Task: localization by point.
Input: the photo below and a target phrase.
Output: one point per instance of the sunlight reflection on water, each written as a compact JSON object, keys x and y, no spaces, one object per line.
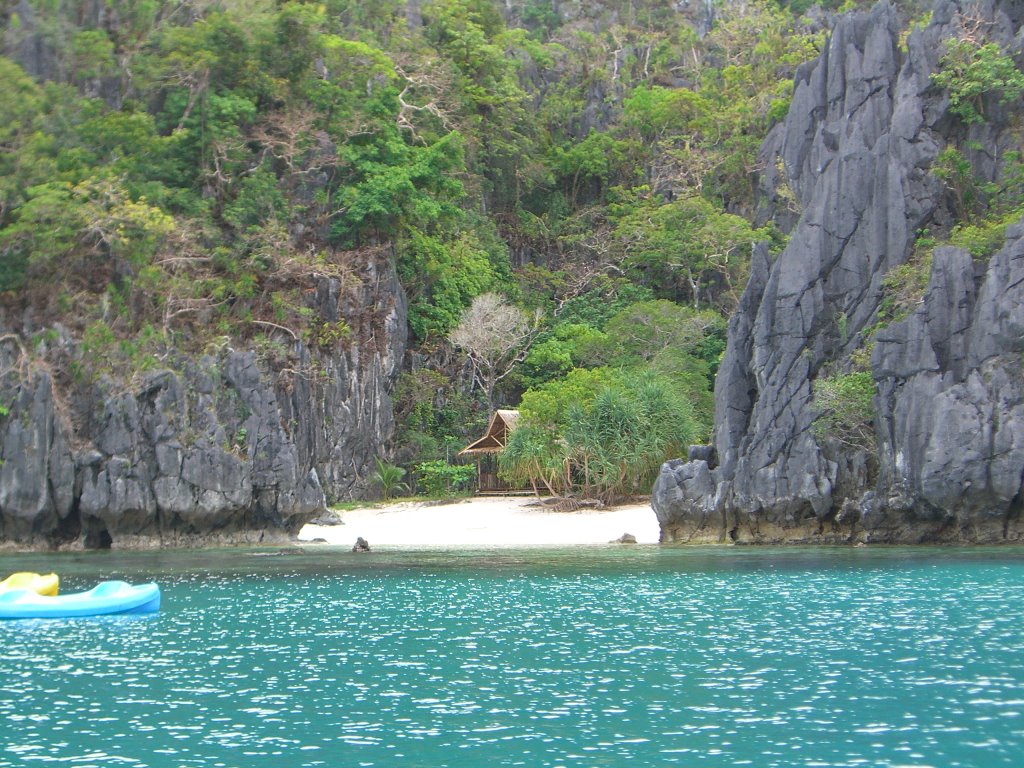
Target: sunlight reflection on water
{"x":590,"y":658}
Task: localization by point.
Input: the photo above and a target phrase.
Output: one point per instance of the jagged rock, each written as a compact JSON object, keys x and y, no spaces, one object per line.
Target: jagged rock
{"x":704,"y":453}
{"x":32,"y":43}
{"x":863,"y":129}
{"x":340,"y":421}
{"x":37,"y":471}
{"x":953,"y":428}
{"x":217,"y":450}
{"x":626,"y":538}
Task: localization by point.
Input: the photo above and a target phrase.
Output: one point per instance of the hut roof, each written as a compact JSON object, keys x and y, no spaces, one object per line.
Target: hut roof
{"x":501,"y":425}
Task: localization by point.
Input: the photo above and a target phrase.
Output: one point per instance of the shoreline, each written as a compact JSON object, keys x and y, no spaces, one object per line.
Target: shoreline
{"x":139,"y":543}
{"x":484,"y":521}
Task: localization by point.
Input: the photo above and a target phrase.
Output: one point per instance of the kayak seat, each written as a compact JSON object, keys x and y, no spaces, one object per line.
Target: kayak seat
{"x":105,"y":588}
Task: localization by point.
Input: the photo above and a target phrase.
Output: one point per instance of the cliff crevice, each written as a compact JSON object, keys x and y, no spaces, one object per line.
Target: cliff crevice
{"x":227,"y":447}
{"x":859,"y":150}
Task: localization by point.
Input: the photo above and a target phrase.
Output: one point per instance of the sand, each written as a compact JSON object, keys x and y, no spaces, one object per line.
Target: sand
{"x":505,"y":521}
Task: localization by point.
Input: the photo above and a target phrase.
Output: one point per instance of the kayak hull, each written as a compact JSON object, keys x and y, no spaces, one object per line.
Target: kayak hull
{"x":107,"y":598}
{"x":42,"y":584}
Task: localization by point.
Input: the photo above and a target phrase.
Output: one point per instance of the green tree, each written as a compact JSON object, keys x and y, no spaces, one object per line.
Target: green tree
{"x":618,"y":444}
{"x":682,"y":344}
{"x":600,"y":434}
{"x":599,"y":159}
{"x":258,"y":200}
{"x":21,"y":117}
{"x":969,"y":71}
{"x":567,"y":346}
{"x":689,"y":243}
{"x":845,"y":403}
{"x":471,"y":34}
{"x":93,"y":56}
{"x":444,"y":276}
{"x":65,"y":229}
{"x":535,"y":455}
{"x":642,"y":330}
{"x":393,"y":185}
{"x":548,"y":405}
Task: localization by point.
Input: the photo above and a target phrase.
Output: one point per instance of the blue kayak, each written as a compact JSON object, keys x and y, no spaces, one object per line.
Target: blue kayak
{"x":107,"y":597}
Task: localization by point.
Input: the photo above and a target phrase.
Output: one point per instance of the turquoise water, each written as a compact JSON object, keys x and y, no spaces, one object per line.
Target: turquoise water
{"x":591,"y":657}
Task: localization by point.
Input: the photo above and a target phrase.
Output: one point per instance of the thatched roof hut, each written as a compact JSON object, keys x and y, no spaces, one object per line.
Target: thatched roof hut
{"x":486,"y":449}
{"x":494,"y":440}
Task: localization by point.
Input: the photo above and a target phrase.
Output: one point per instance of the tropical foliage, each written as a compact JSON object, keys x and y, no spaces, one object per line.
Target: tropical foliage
{"x":969,"y":70}
{"x":180,"y":175}
{"x":845,"y":403}
{"x":598,"y":433}
{"x":438,"y":478}
{"x":388,"y":478}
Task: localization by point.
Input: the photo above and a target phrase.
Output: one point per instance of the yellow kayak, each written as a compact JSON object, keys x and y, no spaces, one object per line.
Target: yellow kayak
{"x":41,"y":584}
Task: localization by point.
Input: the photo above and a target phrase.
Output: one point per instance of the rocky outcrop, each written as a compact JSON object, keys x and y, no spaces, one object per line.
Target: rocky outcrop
{"x":220,"y":449}
{"x":951,"y":396}
{"x":37,"y":472}
{"x":863,"y":131}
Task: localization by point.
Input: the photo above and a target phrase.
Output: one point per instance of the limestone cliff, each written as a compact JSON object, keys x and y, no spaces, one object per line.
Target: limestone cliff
{"x":225,"y":448}
{"x":947,"y":463}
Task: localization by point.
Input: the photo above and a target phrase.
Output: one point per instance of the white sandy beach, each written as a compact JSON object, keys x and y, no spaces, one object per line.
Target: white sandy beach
{"x":485,"y":522}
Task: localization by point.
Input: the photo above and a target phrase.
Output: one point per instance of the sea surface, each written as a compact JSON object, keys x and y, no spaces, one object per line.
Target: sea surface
{"x":602,"y":656}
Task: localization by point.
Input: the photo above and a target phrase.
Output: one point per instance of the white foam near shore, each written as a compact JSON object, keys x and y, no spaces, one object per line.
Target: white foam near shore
{"x":486,"y":522}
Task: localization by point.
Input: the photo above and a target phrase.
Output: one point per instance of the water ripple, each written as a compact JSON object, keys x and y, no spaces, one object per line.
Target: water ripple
{"x":766,"y":659}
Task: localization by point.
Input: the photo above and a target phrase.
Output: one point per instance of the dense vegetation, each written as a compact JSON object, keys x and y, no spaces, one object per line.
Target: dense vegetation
{"x":174,"y":174}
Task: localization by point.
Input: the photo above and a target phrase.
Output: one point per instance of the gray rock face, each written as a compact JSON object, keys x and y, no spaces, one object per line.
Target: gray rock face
{"x":28,"y":39}
{"x":219,"y":449}
{"x":951,"y":429}
{"x":195,"y":453}
{"x":37,"y":472}
{"x":863,"y":130}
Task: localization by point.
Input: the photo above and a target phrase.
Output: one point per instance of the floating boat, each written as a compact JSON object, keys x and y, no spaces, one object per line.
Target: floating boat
{"x":107,"y":597}
{"x":41,"y":584}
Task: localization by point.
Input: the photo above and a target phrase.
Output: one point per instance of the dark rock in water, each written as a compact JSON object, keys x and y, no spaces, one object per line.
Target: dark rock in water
{"x":626,"y":538}
{"x":863,"y":131}
{"x":218,"y":450}
{"x":361,"y":545}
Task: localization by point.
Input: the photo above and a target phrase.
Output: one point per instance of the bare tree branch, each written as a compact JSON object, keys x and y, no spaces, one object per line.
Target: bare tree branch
{"x":496,"y":337}
{"x":276,"y":326}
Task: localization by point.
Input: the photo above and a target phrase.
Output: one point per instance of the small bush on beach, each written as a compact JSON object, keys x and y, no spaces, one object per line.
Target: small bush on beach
{"x":436,"y":478}
{"x":389,"y":478}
